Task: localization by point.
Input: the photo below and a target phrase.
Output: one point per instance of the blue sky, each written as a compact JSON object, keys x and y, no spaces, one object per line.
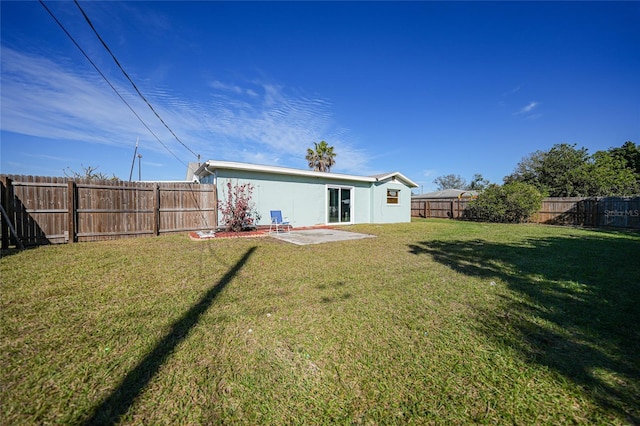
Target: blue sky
{"x":424,"y":88}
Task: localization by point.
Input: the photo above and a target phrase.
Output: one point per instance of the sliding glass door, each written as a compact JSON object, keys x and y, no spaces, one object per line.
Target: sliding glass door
{"x":339,"y":208}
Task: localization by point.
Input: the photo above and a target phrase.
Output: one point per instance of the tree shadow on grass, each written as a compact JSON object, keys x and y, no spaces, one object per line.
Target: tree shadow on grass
{"x":574,"y":307}
{"x":111,"y":410}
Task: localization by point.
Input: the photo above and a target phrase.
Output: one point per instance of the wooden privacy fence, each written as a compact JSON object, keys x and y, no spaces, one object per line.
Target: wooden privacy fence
{"x":616,"y":212}
{"x":452,"y":208}
{"x":50,"y":210}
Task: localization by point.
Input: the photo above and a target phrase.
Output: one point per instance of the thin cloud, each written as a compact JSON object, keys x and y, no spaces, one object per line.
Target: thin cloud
{"x":512,"y":91}
{"x":218,"y":85}
{"x":279,"y":126}
{"x":151,"y":163}
{"x":52,"y":99}
{"x":429,"y":173}
{"x":40,"y":98}
{"x":46,"y":157}
{"x":527,"y":108}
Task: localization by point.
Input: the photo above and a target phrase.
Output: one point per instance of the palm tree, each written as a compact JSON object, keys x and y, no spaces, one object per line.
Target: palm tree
{"x":322,"y":158}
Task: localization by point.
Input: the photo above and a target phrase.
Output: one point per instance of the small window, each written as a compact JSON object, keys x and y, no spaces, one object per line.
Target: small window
{"x":393,"y":196}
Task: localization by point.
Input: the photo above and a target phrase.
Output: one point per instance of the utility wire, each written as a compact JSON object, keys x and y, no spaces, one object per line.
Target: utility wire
{"x":130,"y":80}
{"x":206,"y":222}
{"x":108,"y":82}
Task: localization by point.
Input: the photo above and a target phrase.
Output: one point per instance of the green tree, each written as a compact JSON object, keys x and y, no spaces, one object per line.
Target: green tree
{"x":527,"y":169}
{"x":478,"y":183}
{"x":608,"y":175}
{"x":563,"y":173}
{"x":567,"y":171}
{"x":512,"y":202}
{"x":321,"y":158}
{"x":450,"y":182}
{"x":630,"y":153}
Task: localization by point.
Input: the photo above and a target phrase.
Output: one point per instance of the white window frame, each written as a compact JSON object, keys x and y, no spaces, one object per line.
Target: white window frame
{"x":398,"y":191}
{"x":351,"y":203}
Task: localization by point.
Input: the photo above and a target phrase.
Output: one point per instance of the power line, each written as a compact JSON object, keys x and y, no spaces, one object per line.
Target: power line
{"x":199,"y":209}
{"x":130,"y":80}
{"x":108,"y":82}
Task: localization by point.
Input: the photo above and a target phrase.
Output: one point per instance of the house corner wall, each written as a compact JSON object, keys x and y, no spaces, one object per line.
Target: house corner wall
{"x":303,"y":199}
{"x":382,"y":212}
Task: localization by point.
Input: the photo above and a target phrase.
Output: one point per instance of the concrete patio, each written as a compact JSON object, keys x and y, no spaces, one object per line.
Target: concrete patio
{"x":318,"y":236}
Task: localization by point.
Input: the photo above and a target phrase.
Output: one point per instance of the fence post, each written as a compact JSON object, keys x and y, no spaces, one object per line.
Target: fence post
{"x":156,"y":210}
{"x":5,"y":199}
{"x":71,"y":210}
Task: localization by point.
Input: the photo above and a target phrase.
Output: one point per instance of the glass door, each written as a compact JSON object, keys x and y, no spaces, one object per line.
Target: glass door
{"x":339,"y":209}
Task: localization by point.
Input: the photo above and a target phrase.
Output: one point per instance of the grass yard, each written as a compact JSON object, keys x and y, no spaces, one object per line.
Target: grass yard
{"x":432,"y":322}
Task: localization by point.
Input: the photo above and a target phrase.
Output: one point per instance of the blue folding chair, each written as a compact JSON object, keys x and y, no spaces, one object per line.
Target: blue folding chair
{"x":278,"y":223}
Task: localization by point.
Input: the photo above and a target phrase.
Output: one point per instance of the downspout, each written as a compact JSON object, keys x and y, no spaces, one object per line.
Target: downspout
{"x":372,"y":210}
{"x":372,"y":196}
{"x":214,"y":173}
{"x":215,"y":186}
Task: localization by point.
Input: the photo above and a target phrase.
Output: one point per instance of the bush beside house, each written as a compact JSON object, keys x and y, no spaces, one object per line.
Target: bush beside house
{"x":513,"y":202}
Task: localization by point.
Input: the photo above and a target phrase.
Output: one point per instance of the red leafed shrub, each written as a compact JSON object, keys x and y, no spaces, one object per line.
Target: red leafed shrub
{"x":238,"y":211}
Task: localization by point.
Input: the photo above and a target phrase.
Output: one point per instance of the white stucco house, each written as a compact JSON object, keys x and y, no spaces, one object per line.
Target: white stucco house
{"x":309,"y":198}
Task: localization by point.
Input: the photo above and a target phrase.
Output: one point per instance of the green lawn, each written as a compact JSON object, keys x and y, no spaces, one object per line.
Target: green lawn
{"x":432,"y":322}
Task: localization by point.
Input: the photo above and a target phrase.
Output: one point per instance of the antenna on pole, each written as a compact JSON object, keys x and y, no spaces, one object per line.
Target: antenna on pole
{"x":139,"y":167}
{"x":134,"y":159}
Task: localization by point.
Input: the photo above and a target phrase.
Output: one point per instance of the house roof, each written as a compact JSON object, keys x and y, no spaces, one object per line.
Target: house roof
{"x":210,"y":166}
{"x":448,"y":193}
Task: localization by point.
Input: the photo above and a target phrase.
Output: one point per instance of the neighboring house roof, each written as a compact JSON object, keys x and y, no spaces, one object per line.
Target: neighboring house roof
{"x":447,"y":193}
{"x":210,"y":166}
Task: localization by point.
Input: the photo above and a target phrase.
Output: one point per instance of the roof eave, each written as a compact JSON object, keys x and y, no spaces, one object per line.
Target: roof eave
{"x":409,"y":182}
{"x":230,"y":165}
{"x":208,"y":166}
